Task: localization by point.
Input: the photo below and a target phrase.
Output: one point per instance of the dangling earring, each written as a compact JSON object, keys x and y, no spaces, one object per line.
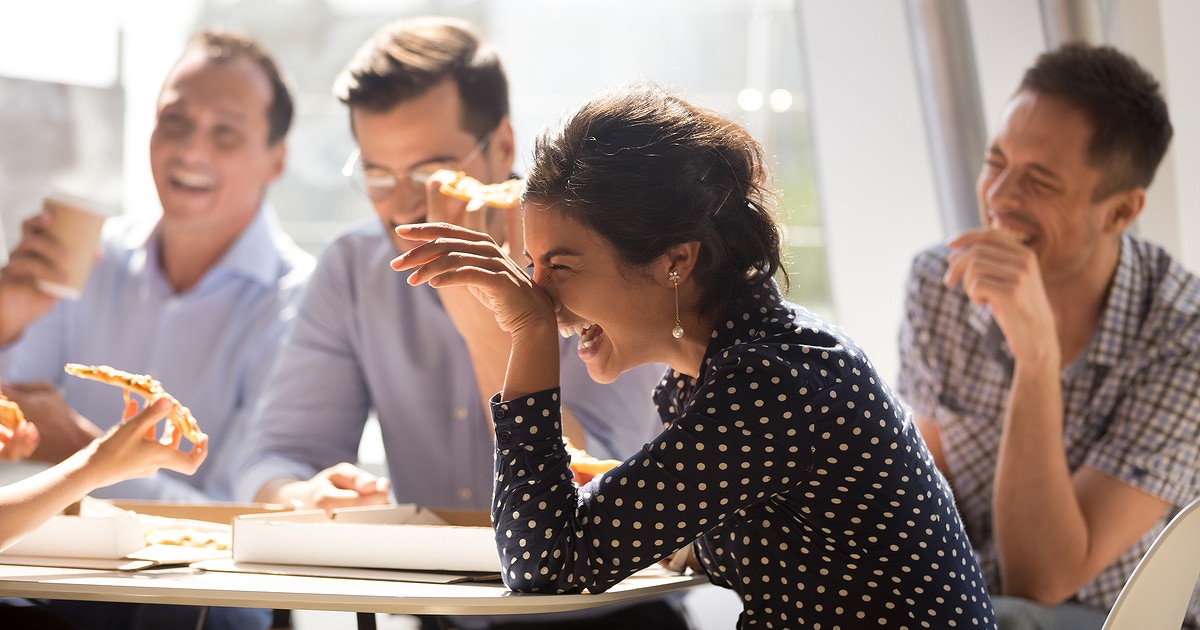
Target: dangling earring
{"x":677,"y":331}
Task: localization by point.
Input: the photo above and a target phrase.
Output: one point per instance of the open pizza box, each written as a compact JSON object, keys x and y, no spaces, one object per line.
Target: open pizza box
{"x":131,"y":535}
{"x":403,"y":538}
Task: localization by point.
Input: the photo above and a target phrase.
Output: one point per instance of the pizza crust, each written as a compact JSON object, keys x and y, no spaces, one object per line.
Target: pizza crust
{"x":144,"y":386}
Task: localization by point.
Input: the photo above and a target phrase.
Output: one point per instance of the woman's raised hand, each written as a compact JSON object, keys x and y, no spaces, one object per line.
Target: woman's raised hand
{"x":450,"y":255}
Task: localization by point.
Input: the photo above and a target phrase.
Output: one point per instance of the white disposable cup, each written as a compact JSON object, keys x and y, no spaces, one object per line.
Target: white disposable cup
{"x":75,"y":224}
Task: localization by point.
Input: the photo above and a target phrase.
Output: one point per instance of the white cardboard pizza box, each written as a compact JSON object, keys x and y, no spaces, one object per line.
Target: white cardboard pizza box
{"x":100,"y":535}
{"x":403,"y":536}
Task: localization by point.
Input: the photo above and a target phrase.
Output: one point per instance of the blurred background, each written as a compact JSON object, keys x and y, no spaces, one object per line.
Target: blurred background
{"x":874,"y":113}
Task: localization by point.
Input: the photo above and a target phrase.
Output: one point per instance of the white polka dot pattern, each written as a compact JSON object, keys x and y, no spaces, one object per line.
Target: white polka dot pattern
{"x":805,"y":486}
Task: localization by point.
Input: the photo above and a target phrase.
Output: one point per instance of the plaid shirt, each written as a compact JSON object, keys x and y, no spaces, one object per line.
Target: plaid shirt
{"x":1131,"y":402}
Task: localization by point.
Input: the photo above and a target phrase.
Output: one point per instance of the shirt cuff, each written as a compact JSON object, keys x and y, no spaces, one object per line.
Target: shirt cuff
{"x":527,"y":419}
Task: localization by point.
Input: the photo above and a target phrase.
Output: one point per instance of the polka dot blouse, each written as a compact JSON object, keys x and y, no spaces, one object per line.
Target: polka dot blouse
{"x":802,"y":481}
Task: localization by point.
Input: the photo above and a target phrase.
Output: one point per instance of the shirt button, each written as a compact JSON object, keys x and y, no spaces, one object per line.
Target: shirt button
{"x":505,"y":436}
{"x":464,"y":493}
{"x":501,"y":413}
{"x":460,"y":413}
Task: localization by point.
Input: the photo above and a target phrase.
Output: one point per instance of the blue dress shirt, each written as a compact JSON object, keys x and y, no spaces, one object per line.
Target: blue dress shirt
{"x":210,"y":346}
{"x":365,"y":340}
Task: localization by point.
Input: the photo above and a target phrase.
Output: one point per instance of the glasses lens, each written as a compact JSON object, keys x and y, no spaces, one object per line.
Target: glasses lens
{"x":421,"y":174}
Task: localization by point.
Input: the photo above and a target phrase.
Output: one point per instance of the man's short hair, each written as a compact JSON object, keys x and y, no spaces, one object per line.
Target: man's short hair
{"x":1130,"y":124}
{"x":221,"y":45}
{"x":407,"y":58}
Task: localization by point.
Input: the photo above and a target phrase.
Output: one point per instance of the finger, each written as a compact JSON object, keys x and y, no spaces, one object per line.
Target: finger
{"x":456,"y":261}
{"x":433,"y":231}
{"x":344,"y":476}
{"x":26,"y":265}
{"x":145,"y":420}
{"x":184,"y":462}
{"x":131,"y":409}
{"x":426,"y":253}
{"x":29,"y":437}
{"x":171,"y":436}
{"x":366,"y":483}
{"x":334,"y":498}
{"x":971,"y":237}
{"x":475,"y":215}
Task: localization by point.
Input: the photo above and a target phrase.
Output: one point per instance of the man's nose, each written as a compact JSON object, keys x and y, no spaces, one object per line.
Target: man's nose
{"x":1002,"y":190}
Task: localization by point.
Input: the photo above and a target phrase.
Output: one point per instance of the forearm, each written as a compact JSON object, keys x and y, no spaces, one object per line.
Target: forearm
{"x":488,"y":345}
{"x":28,"y":503}
{"x":1041,"y":533}
{"x":533,"y":362}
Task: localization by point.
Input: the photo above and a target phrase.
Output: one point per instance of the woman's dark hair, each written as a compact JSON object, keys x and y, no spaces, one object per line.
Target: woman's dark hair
{"x":646,"y":170}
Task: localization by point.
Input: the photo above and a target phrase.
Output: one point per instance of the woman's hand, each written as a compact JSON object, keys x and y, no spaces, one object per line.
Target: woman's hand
{"x":130,"y":449}
{"x":19,"y":443}
{"x":454,"y":256}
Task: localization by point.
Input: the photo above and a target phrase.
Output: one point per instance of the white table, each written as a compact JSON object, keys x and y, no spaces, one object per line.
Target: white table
{"x":197,"y":587}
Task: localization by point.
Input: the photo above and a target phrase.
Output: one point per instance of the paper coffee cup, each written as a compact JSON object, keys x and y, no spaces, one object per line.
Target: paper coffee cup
{"x":75,"y":224}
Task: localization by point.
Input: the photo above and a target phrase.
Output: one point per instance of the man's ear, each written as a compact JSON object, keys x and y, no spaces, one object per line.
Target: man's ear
{"x":1124,"y":208}
{"x":680,"y":258}
{"x":503,"y":148}
{"x":278,"y":157}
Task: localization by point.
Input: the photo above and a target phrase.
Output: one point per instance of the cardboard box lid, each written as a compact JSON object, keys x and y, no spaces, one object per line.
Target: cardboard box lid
{"x":104,"y":536}
{"x":407,"y":537}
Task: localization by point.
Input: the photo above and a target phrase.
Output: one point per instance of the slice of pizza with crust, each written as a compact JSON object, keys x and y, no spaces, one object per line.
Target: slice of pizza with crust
{"x":457,"y":184}
{"x":144,"y":386}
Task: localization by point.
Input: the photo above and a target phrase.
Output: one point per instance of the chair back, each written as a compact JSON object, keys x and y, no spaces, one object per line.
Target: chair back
{"x":1159,"y":590}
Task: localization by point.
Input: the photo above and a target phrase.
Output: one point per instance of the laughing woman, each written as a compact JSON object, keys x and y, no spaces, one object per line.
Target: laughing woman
{"x":785,"y":458}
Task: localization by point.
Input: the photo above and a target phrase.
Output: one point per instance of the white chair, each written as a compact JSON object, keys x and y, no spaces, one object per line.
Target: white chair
{"x":1157,"y":594}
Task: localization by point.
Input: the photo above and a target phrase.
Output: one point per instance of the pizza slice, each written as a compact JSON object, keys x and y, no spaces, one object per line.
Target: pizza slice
{"x":457,"y":184}
{"x":584,"y":466}
{"x":144,"y":386}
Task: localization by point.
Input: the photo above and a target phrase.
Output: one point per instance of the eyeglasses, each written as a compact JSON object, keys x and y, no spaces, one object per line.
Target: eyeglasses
{"x":379,"y":182}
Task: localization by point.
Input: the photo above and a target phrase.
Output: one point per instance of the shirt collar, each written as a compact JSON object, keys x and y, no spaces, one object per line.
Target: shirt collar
{"x":253,"y":255}
{"x":1119,"y":321}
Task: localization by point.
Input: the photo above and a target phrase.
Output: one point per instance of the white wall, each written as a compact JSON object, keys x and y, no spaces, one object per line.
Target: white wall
{"x":875,"y":182}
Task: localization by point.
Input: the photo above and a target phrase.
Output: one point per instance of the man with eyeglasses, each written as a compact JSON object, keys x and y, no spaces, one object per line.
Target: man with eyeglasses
{"x":423,"y":94}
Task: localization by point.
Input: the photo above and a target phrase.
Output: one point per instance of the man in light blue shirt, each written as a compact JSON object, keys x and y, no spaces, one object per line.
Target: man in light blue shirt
{"x":199,"y":299}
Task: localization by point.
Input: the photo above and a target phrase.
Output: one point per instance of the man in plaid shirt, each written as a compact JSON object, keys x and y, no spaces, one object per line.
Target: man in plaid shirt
{"x":1052,"y":360}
